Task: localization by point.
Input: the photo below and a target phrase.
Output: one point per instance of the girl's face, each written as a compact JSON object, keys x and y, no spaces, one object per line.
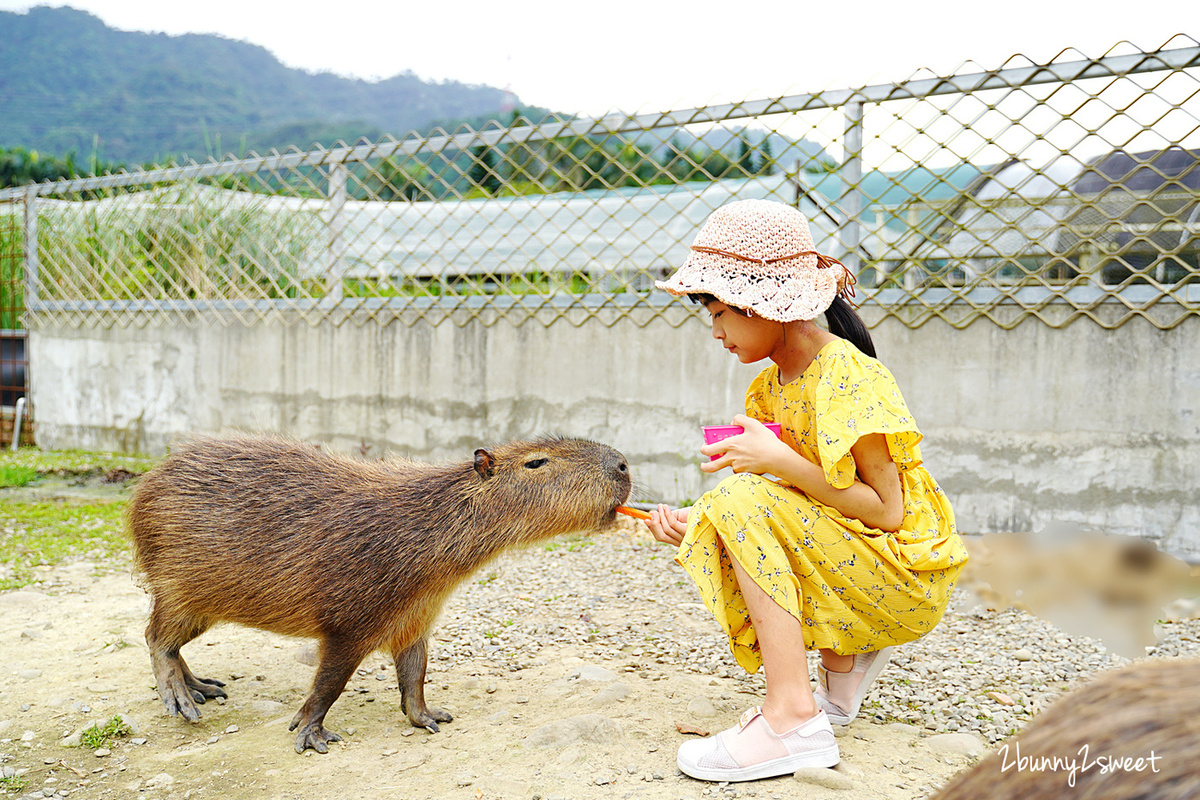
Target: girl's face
{"x":749,"y":338}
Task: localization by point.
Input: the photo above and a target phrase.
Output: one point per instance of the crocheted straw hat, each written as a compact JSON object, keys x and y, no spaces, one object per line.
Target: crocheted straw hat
{"x":758,"y":255}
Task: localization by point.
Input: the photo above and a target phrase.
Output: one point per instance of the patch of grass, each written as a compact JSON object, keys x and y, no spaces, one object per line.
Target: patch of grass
{"x":16,"y":475}
{"x":76,"y":462}
{"x":49,"y":533}
{"x":13,"y":785}
{"x":573,"y":543}
{"x":98,"y":736}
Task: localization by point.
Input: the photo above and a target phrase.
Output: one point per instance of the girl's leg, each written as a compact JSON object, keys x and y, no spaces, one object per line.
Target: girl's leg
{"x":836,"y":663}
{"x":789,"y":701}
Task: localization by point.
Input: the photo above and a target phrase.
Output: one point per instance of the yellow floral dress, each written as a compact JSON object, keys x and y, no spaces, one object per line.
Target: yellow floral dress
{"x":853,"y":588}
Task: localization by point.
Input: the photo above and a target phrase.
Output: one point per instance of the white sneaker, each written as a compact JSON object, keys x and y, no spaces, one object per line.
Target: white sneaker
{"x":867,"y":667}
{"x":752,"y":750}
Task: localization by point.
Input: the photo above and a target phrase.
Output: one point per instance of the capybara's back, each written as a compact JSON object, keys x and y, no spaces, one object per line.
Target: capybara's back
{"x":283,"y":536}
{"x":1130,"y":734}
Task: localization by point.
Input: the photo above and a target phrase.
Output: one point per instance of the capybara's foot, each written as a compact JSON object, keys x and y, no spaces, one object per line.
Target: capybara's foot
{"x":179,"y":698}
{"x":174,"y":689}
{"x":203,"y":689}
{"x":429,"y":718}
{"x":315,"y":736}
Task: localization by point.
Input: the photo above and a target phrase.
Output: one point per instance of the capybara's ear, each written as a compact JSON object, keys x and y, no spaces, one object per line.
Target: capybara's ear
{"x":484,"y":464}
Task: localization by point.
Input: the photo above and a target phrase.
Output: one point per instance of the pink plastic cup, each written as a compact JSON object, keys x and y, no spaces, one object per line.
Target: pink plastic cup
{"x":715,"y":433}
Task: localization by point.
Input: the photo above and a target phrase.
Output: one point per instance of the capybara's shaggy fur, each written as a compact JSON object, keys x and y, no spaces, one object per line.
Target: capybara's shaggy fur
{"x":282,"y":536}
{"x":1130,"y":734}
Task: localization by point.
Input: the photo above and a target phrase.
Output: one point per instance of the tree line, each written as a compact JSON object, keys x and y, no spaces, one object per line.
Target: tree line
{"x":20,"y":166}
{"x":568,"y":164}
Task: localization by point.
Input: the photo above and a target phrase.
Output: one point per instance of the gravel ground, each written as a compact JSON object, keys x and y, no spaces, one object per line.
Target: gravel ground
{"x":573,"y":670}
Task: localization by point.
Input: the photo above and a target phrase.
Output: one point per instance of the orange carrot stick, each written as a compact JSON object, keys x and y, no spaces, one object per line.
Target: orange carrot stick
{"x":636,"y":513}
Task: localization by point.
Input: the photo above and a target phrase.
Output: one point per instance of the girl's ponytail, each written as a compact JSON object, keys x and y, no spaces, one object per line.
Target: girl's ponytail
{"x":844,"y":321}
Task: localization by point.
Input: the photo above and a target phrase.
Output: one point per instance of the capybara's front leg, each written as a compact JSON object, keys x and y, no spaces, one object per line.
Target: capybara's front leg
{"x":410,"y":671}
{"x":339,"y":657}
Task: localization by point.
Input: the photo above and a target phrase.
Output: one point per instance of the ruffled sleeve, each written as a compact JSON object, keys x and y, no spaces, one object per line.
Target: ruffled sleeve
{"x":856,"y":396}
{"x":758,"y":398}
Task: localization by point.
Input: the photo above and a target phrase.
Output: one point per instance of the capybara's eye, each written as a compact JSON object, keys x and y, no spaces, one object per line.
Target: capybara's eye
{"x":535,"y":463}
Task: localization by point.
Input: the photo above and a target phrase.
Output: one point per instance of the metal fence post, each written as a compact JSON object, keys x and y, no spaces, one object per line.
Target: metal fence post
{"x":851,"y":200}
{"x":30,"y":254}
{"x":336,"y":265}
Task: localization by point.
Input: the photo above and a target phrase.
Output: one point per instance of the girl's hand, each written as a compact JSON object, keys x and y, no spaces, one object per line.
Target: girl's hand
{"x":755,"y":450}
{"x":668,"y":525}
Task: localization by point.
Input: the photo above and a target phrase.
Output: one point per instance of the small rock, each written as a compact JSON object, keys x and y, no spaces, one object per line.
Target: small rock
{"x":160,"y":781}
{"x":464,"y":779}
{"x":29,"y":674}
{"x":102,"y":752}
{"x":139,"y":740}
{"x":21,"y":598}
{"x":306,"y":654}
{"x":28,"y":736}
{"x":232,"y":729}
{"x":592,"y":674}
{"x":266,"y":708}
{"x":30,"y":633}
{"x":962,"y":744}
{"x":591,"y":728}
{"x":213,"y":739}
{"x":611,"y":694}
{"x":821,"y":776}
{"x":74,"y":740}
{"x":102,"y":688}
{"x":1002,"y":698}
{"x":1023,"y":655}
{"x":701,"y":707}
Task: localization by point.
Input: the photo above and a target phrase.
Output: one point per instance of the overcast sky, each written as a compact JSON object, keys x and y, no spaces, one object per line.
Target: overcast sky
{"x":646,"y":55}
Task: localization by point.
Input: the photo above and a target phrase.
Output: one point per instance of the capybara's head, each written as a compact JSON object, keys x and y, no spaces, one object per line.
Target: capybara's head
{"x":572,"y":484}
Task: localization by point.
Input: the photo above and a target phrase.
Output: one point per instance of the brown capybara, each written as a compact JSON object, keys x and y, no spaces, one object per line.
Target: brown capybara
{"x":1130,"y":734}
{"x":282,"y":536}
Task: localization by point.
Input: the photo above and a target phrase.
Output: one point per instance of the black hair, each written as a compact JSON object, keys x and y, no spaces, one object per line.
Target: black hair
{"x":841,"y":319}
{"x":703,"y":299}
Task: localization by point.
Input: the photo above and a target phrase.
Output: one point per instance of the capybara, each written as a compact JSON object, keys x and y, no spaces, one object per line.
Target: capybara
{"x":283,"y":536}
{"x":1130,"y":734}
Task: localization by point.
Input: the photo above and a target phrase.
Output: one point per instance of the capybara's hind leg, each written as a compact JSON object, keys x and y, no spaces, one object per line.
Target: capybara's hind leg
{"x":410,"y":671}
{"x":165,"y":635}
{"x":339,"y":658}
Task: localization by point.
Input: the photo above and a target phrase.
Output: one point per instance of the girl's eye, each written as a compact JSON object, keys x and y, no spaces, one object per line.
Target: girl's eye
{"x":535,"y":463}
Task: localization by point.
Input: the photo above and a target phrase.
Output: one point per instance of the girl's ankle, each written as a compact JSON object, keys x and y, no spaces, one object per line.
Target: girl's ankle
{"x":836,"y":663}
{"x":784,"y":720}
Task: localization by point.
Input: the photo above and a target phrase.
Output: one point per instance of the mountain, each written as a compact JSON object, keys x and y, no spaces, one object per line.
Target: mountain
{"x":68,"y":82}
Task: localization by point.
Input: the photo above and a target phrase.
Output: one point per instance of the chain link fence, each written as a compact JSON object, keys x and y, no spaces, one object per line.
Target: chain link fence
{"x":1053,"y":191}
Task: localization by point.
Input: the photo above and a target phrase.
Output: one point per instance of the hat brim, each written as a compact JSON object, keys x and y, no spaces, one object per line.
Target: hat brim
{"x":783,"y":292}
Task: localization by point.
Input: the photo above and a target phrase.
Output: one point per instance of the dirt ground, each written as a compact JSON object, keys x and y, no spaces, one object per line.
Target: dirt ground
{"x":572,"y":723}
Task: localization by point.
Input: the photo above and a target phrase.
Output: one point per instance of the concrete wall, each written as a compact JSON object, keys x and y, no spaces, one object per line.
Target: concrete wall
{"x":1023,"y":427}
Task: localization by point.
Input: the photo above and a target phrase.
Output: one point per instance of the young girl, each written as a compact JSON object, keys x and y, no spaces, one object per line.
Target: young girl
{"x":851,"y":548}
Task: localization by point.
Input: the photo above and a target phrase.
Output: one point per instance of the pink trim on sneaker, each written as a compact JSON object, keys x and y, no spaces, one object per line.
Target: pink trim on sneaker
{"x":752,"y":750}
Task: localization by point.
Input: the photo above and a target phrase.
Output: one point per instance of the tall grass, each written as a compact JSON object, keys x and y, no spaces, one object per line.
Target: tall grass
{"x":12,"y":272}
{"x":179,"y":243}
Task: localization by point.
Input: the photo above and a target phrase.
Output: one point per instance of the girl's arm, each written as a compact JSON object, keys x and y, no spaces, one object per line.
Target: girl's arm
{"x":875,"y":497}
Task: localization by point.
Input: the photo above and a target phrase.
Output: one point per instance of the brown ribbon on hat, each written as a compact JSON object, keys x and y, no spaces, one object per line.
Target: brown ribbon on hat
{"x":845,"y":283}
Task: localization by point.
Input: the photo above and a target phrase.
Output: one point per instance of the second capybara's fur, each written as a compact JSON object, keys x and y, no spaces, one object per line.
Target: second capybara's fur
{"x":1130,"y":734}
{"x":282,"y":536}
